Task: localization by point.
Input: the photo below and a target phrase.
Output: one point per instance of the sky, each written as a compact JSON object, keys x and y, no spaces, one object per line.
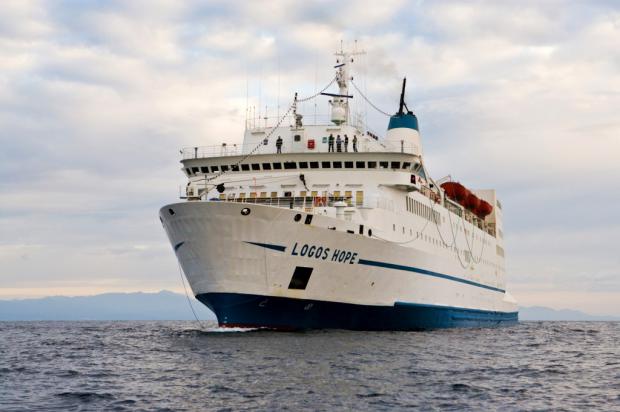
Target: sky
{"x":97,"y":98}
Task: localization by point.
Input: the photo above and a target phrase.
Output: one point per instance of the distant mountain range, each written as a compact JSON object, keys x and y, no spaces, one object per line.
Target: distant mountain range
{"x":162,"y":305}
{"x":167,"y":305}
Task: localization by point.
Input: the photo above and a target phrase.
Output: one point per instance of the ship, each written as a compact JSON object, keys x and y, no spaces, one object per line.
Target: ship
{"x":331,"y":226}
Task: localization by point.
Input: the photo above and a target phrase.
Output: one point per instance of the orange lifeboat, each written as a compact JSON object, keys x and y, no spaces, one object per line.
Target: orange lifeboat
{"x":484,"y":209}
{"x":472,"y":202}
{"x":455,"y":191}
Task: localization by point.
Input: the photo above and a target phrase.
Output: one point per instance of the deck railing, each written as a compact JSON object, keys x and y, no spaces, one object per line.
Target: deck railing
{"x":224,"y":150}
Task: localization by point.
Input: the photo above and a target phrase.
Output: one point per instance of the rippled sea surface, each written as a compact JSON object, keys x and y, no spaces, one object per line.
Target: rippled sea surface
{"x":179,"y":366}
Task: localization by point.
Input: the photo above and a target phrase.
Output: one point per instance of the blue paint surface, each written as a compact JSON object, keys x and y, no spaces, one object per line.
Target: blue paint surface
{"x":268,"y":246}
{"x":235,"y":309}
{"x":406,"y":120}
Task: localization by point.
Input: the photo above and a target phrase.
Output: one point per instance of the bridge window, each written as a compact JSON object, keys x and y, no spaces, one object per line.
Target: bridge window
{"x":303,"y":165}
{"x":195,"y":170}
{"x":245,"y":167}
{"x":224,"y":168}
{"x":255,"y":166}
{"x":406,"y":165}
{"x":326,"y":165}
{"x":266,"y":166}
{"x":395,"y":165}
{"x":360,"y":165}
{"x":214,"y":169}
{"x":383,"y":165}
{"x":204,"y":169}
{"x":348,"y":165}
{"x":337,"y":165}
{"x":314,"y":165}
{"x":234,"y":168}
{"x":277,"y":166}
{"x":372,"y":165}
{"x":290,"y":165}
{"x":189,"y":171}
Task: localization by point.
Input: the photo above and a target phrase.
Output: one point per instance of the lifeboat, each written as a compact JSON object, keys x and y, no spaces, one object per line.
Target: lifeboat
{"x":472,"y":202}
{"x":484,"y":209}
{"x":455,"y":191}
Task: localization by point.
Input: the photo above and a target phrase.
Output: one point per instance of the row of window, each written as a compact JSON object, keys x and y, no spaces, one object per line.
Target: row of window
{"x":336,"y":164}
{"x":303,"y":195}
{"x":424,"y":211}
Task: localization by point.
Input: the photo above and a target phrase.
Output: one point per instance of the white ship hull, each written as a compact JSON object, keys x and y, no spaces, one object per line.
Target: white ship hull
{"x":268,"y":269}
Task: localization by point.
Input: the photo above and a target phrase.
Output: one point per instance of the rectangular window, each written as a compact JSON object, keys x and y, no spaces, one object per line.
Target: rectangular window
{"x":266,"y":166}
{"x":214,"y":169}
{"x":359,"y":198}
{"x":395,"y":165}
{"x":337,"y":193}
{"x":383,"y":165}
{"x":255,"y":166}
{"x":224,"y":168}
{"x":290,"y":165}
{"x":303,"y":165}
{"x":189,"y":171}
{"x":234,"y":168}
{"x":360,"y":165}
{"x":348,"y":197}
{"x":315,"y":193}
{"x":325,"y":165}
{"x":204,"y":169}
{"x":372,"y":165}
{"x":302,"y":193}
{"x":337,"y":165}
{"x":348,"y":165}
{"x":277,"y":166}
{"x":253,"y":195}
{"x":241,"y":195}
{"x":245,"y":167}
{"x":406,"y":165}
{"x":263,"y":195}
{"x":314,"y":165}
{"x":222,"y":196}
{"x":195,"y":170}
{"x":274,"y":194}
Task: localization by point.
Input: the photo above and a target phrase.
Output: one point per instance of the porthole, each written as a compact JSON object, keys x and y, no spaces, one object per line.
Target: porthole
{"x":171,"y":211}
{"x":370,"y":232}
{"x":297,"y":217}
{"x":245,"y":211}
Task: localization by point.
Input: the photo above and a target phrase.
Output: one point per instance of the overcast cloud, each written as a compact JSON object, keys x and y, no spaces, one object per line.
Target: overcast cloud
{"x":96,"y":98}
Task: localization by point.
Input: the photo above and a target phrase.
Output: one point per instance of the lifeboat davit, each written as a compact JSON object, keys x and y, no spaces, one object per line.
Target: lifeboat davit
{"x":484,"y":209}
{"x":472,"y":202}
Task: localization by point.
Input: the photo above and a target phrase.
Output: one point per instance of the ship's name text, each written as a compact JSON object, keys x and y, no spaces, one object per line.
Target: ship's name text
{"x":324,"y":253}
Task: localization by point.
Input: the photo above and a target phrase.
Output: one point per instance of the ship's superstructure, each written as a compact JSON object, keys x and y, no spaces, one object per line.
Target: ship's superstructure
{"x":329,"y":226}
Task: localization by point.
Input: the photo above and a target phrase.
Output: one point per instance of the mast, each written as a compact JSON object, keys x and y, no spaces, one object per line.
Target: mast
{"x":402,"y":98}
{"x":340,"y":103}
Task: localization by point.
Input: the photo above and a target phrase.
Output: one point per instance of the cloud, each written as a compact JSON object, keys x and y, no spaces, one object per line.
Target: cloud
{"x":97,"y":98}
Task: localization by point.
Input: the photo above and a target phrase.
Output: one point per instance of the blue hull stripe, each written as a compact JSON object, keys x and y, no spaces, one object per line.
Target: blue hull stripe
{"x":428,"y":273}
{"x":237,"y":309}
{"x":396,"y":267}
{"x":268,"y":246}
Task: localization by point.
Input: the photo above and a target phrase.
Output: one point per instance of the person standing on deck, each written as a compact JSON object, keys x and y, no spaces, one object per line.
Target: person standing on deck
{"x":330,"y":143}
{"x":279,"y":144}
{"x":338,"y":144}
{"x":355,"y":143}
{"x":346,"y":143}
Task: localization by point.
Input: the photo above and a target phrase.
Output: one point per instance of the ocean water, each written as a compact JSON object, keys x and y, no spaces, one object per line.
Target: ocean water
{"x":176,"y":366}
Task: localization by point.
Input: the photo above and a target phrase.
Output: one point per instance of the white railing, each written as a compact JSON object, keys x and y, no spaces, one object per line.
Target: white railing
{"x":224,"y":150}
